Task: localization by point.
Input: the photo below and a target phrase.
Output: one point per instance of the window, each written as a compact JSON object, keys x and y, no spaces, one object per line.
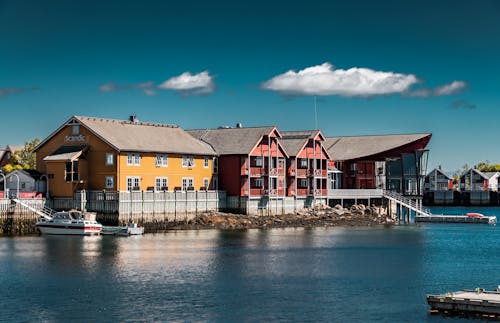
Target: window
{"x":161,"y":184}
{"x":215,"y":183}
{"x":133,"y":183}
{"x":205,"y":162}
{"x":187,"y":183}
{"x":72,"y":171}
{"x":109,"y":159}
{"x":75,"y":129}
{"x":258,"y":183}
{"x":161,"y":160}
{"x":259,"y":161}
{"x":110,"y":182}
{"x":133,"y":159}
{"x":303,"y":182}
{"x":216,"y":165}
{"x":187,"y":161}
{"x":303,"y":163}
{"x":206,"y":183}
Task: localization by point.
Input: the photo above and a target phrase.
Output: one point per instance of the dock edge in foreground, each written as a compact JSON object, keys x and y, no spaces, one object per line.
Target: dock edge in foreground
{"x":456,"y":219}
{"x":466,"y":302}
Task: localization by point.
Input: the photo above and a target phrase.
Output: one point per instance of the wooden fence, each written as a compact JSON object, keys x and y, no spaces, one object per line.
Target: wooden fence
{"x":145,"y":202}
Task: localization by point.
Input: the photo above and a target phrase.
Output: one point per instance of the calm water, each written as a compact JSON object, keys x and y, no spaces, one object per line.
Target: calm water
{"x":334,"y":274}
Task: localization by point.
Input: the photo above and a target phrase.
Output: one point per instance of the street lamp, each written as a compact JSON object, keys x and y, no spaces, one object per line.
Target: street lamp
{"x":17,"y":176}
{"x":47,"y":186}
{"x":4,"y":185}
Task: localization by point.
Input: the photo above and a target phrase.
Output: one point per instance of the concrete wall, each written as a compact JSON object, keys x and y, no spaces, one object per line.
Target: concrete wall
{"x":271,"y":206}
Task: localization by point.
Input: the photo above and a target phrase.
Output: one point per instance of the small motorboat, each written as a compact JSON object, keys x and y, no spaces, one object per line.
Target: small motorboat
{"x":70,"y":223}
{"x":130,"y":230}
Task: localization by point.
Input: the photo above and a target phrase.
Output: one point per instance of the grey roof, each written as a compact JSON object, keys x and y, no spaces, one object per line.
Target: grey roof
{"x":345,"y":148}
{"x":137,"y":136}
{"x":232,"y":141}
{"x":295,"y":140}
{"x":489,"y":174}
{"x":485,"y":175}
{"x":440,"y":171}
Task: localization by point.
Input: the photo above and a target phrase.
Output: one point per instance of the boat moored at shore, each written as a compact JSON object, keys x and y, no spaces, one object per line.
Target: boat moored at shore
{"x":70,"y":223}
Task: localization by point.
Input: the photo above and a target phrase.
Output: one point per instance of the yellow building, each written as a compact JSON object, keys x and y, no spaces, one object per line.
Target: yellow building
{"x":105,"y":154}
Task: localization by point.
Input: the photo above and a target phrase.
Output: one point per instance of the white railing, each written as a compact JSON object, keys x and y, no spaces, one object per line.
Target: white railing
{"x":407,"y":202}
{"x":356,"y":193}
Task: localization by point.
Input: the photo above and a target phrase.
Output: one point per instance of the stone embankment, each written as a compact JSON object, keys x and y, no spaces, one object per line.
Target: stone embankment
{"x":321,"y":216}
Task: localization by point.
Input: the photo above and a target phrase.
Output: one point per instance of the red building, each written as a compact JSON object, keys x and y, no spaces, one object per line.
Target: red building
{"x":252,"y":161}
{"x":392,"y":162}
{"x":309,"y":165}
{"x":6,"y":154}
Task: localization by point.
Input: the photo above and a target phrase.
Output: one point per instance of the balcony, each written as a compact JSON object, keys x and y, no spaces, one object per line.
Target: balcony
{"x":265,"y":192}
{"x":301,"y":172}
{"x":318,"y":192}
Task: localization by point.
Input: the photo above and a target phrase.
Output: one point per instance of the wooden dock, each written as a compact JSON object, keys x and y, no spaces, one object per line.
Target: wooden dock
{"x":443,"y":218}
{"x":478,"y":301}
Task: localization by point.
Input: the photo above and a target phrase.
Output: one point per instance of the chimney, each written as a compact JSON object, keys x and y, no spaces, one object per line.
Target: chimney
{"x":239,"y":125}
{"x":133,"y":118}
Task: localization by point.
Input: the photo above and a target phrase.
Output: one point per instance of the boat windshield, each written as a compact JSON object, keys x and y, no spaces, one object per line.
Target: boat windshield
{"x":71,"y":215}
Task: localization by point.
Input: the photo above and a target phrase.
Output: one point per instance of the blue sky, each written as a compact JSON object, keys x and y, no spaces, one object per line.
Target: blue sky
{"x":422,"y":66}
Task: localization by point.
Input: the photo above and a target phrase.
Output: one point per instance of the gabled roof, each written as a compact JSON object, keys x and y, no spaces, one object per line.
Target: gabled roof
{"x":345,"y":148}
{"x":441,"y":172}
{"x":490,"y":174}
{"x":295,"y":141}
{"x":233,"y":141}
{"x":485,"y":175}
{"x":124,"y":135}
{"x":26,"y":172}
{"x":12,"y":149}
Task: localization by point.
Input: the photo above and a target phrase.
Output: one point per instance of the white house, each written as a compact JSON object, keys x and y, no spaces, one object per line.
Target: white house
{"x":438,"y":180}
{"x":474,"y":180}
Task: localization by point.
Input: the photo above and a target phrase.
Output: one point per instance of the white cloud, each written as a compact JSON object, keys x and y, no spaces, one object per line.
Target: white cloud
{"x":14,"y":90}
{"x":146,"y":87}
{"x":326,"y":80}
{"x":201,"y":83}
{"x":442,"y":90}
{"x":449,"y":89}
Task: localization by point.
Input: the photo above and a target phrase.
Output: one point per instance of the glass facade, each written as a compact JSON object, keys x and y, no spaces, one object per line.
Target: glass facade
{"x":406,"y":174}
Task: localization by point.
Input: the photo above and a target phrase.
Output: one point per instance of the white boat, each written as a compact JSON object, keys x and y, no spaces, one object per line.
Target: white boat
{"x":71,"y":223}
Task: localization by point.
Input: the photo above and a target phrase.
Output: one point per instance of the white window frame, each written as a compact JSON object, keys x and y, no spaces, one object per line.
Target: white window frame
{"x":303,"y":163}
{"x":133,"y":159}
{"x":75,"y":129}
{"x":186,"y":181}
{"x":161,"y":160}
{"x":205,"y":162}
{"x":206,"y":183}
{"x":133,"y":180}
{"x":108,"y":180}
{"x":160,"y":183}
{"x":110,"y":159}
{"x":259,"y":161}
{"x":187,"y":161}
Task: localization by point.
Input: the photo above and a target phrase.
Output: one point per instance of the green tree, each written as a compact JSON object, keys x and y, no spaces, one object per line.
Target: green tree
{"x":24,"y":158}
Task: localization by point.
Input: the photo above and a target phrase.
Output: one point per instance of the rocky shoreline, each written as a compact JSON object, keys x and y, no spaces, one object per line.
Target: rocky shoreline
{"x":321,"y":216}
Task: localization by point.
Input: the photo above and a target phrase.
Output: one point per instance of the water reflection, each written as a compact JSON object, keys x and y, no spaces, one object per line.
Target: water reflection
{"x":258,"y":275}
